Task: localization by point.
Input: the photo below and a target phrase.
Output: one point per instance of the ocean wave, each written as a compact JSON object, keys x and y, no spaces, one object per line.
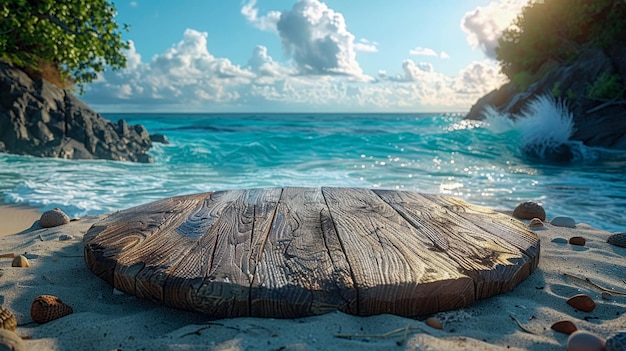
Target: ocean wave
{"x":542,"y":131}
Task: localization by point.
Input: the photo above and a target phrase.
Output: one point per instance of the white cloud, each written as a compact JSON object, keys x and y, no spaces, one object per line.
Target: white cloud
{"x":264,"y":66}
{"x":185,"y":73}
{"x":420,"y":51}
{"x":134,"y":4}
{"x":484,"y":25}
{"x":315,"y":36}
{"x":365,"y":45}
{"x":267,"y":22}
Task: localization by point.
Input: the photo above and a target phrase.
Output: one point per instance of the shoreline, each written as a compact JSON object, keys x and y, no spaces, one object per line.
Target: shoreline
{"x":16,"y":218}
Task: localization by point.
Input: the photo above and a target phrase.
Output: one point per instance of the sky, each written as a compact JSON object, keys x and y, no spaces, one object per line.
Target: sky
{"x":305,"y":56}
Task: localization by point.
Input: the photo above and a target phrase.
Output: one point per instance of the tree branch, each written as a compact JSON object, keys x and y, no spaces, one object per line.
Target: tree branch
{"x":56,"y":21}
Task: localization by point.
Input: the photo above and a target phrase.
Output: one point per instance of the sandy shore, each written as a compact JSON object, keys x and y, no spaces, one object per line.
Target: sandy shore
{"x":16,"y":218}
{"x":105,"y":319}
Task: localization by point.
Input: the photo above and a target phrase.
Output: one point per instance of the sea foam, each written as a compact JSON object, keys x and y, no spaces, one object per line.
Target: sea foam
{"x":543,"y":129}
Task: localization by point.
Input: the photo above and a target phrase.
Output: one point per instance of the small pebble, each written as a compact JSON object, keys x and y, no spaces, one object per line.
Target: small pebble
{"x":9,"y":341}
{"x":53,"y":218}
{"x":529,"y":210}
{"x":562,"y":221}
{"x":577,"y":240}
{"x":65,"y":237}
{"x":582,"y":302}
{"x":535,"y":222}
{"x":559,"y":240}
{"x":20,"y":261}
{"x":434,"y":323}
{"x":617,"y":239}
{"x":584,"y":341}
{"x":606,"y":295}
{"x":564,"y":326}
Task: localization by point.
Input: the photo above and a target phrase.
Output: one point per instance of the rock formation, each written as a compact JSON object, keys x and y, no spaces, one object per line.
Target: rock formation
{"x":597,"y":122}
{"x":40,"y":119}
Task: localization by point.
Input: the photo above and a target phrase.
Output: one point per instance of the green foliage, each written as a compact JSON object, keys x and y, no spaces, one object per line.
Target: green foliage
{"x":557,"y":92}
{"x":522,"y":80}
{"x":606,"y":86}
{"x":78,"y":37}
{"x":556,"y":89}
{"x":558,"y":30}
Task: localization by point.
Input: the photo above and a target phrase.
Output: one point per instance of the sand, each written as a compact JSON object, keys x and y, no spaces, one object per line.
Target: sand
{"x":16,"y":218}
{"x":105,"y":319}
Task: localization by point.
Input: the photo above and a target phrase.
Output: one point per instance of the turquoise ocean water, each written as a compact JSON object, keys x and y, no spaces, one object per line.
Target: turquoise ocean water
{"x":480,"y":162}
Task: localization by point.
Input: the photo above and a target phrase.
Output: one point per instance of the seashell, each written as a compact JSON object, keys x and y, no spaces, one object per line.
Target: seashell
{"x":584,"y":341}
{"x":20,"y":261}
{"x":535,"y":222}
{"x":582,"y":302}
{"x":7,"y":319}
{"x":577,"y":240}
{"x":9,"y":341}
{"x":433,"y":323}
{"x":606,"y":295}
{"x":53,"y":218}
{"x":617,"y":239}
{"x":562,"y":221}
{"x":616,"y":342}
{"x":46,"y":308}
{"x":564,"y":326}
{"x":529,"y":210}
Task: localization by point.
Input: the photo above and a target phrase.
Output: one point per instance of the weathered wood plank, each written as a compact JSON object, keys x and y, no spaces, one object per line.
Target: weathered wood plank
{"x":173,"y":246}
{"x":494,"y":264}
{"x":396,"y":269}
{"x":215,"y":276}
{"x":123,"y":233}
{"x":303,"y":261}
{"x":506,"y":227}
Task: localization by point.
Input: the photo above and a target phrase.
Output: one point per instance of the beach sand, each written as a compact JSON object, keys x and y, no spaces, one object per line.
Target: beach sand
{"x":16,"y":218}
{"x":105,"y":319}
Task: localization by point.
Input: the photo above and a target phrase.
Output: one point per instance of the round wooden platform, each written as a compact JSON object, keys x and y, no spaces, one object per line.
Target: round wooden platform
{"x":294,"y":252}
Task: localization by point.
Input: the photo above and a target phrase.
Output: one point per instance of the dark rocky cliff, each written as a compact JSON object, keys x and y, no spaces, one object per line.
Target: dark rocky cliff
{"x":597,"y":122}
{"x":40,"y":119}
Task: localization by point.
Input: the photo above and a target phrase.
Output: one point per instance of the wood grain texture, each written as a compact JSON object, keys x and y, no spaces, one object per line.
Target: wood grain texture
{"x":303,"y":251}
{"x":395,"y":269}
{"x":303,"y":261}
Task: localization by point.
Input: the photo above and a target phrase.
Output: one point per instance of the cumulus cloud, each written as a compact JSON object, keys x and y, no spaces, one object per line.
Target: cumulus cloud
{"x":267,"y":22}
{"x":185,"y":73}
{"x":264,"y":66}
{"x":484,"y":25}
{"x":315,"y":36}
{"x":419,"y":83}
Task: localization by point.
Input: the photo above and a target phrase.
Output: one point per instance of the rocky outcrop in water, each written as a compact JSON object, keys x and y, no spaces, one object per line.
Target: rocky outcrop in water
{"x":40,"y":119}
{"x":597,"y":121}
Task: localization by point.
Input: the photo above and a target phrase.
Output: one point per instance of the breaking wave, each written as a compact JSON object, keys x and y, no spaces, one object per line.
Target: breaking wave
{"x":543,"y":131}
